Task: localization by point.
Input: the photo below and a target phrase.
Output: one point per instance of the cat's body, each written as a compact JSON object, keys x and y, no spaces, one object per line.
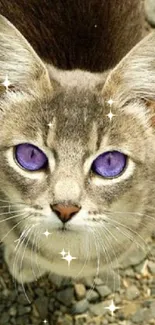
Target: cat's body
{"x":67,"y":204}
{"x":90,"y":35}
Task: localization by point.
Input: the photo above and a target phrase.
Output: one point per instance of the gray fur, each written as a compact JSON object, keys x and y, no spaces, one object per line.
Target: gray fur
{"x":115,"y":214}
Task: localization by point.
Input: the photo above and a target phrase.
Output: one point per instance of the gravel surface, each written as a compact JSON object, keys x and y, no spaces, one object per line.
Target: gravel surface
{"x":54,"y":300}
{"x":61,"y":301}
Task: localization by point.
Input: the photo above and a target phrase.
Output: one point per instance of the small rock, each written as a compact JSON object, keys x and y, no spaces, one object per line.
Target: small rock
{"x":42,"y":306}
{"x":88,"y":281}
{"x":80,"y":291}
{"x":80,"y":307}
{"x":22,"y":299}
{"x":66,"y":296}
{"x":13,"y":311}
{"x":103,"y":291}
{"x":82,"y":320}
{"x":113,"y":281}
{"x":22,"y":310}
{"x":129,"y":273}
{"x":92,"y":295}
{"x":51,"y":305}
{"x":99,"y":309}
{"x":132,"y":292}
{"x":65,"y":320}
{"x":98,"y":281}
{"x":135,"y":258}
{"x":151,"y":267}
{"x":141,"y":315}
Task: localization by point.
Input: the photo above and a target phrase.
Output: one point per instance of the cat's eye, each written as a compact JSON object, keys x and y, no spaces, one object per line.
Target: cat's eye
{"x":109,"y":164}
{"x":30,"y":157}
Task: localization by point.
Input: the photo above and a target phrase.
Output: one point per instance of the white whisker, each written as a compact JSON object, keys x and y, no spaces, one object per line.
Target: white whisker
{"x":20,"y":215}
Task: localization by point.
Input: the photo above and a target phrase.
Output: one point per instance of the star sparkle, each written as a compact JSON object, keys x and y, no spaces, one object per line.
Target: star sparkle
{"x":45,"y":321}
{"x":110,"y":115}
{"x":63,"y":253}
{"x":49,"y":124}
{"x":46,"y":233}
{"x":112,"y":308}
{"x":69,"y":258}
{"x":6,"y":83}
{"x":110,"y":101}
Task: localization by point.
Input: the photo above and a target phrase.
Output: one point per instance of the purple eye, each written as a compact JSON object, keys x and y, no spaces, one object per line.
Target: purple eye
{"x":109,"y":164}
{"x":30,"y":157}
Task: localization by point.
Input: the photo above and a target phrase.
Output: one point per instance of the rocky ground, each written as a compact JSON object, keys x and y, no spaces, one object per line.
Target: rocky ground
{"x":61,"y":301}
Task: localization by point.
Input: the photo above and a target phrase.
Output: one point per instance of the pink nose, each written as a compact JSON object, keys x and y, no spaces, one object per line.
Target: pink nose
{"x":65,"y":212}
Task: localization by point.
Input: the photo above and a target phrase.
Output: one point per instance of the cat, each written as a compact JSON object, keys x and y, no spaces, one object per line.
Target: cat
{"x":77,"y":158}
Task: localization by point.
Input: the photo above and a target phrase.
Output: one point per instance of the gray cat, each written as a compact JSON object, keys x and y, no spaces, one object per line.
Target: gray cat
{"x":77,"y":160}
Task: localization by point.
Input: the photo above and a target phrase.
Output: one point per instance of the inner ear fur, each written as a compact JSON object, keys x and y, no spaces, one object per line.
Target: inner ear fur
{"x":134,"y":77}
{"x":19,"y":62}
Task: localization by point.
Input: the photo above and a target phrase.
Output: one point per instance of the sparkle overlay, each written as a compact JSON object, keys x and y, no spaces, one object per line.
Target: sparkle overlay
{"x":110,"y":115}
{"x":110,"y":102}
{"x":46,"y":233}
{"x":112,"y":308}
{"x":68,"y":257}
{"x":63,"y":253}
{"x":49,"y":124}
{"x":6,"y":83}
{"x":45,"y":321}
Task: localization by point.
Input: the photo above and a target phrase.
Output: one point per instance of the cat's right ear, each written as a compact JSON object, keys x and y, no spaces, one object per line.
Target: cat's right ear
{"x":133,"y":79}
{"x":19,"y":64}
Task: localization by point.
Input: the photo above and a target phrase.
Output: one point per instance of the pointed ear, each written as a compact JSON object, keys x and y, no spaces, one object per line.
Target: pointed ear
{"x":133,"y":79}
{"x":19,"y":62}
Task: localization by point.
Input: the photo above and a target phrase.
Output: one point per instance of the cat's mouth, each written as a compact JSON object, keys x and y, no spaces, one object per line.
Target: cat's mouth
{"x":66,"y":228}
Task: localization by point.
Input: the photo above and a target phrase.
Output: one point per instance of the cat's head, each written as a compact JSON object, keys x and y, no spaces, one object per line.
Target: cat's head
{"x":69,"y":167}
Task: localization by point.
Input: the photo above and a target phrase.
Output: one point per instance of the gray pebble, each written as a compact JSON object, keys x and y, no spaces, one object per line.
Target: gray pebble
{"x":41,"y":304}
{"x":133,"y":259}
{"x":99,"y":309}
{"x":151,"y":267}
{"x":92,"y":295}
{"x":132,"y":292}
{"x":98,"y":282}
{"x":22,"y":299}
{"x":66,"y":296}
{"x":141,"y":315}
{"x":13,"y":311}
{"x":113,"y":281}
{"x":103,"y":291}
{"x":129,"y":273}
{"x":51,"y":305}
{"x":22,"y":310}
{"x":80,"y":307}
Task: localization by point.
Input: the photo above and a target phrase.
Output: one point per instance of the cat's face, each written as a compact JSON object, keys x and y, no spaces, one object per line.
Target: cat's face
{"x":60,"y":150}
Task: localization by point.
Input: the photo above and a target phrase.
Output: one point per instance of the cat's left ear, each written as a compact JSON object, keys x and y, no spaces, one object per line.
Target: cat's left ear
{"x":133,"y":79}
{"x":20,"y":66}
